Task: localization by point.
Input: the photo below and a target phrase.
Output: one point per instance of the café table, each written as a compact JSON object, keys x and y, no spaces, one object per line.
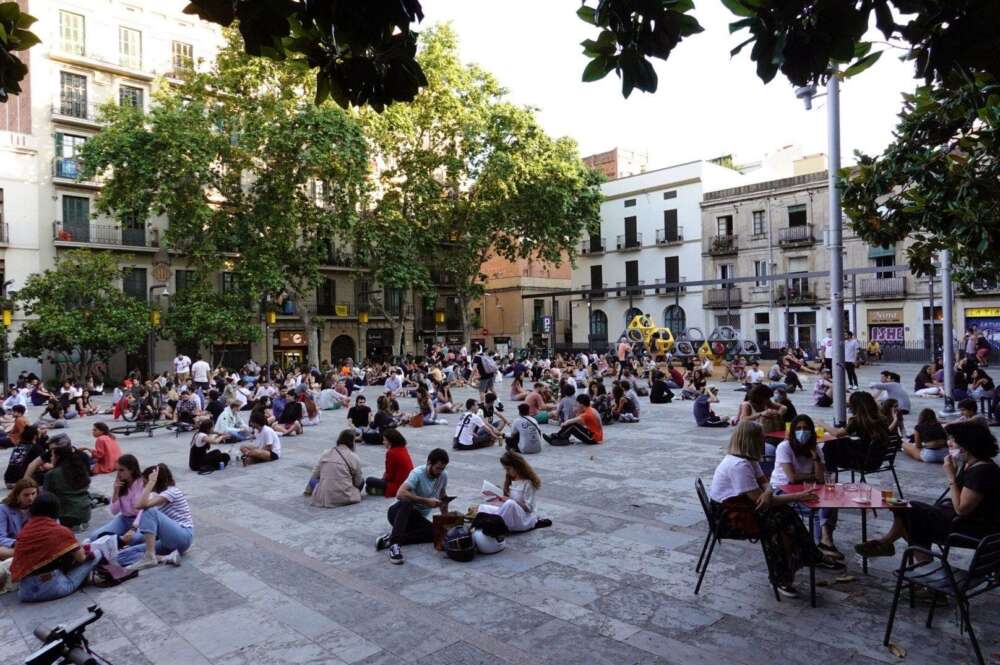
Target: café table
{"x":841,"y":498}
{"x":781,"y":435}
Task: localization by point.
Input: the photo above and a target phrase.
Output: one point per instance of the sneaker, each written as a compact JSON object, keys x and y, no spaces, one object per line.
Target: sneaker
{"x":543,"y":523}
{"x":547,"y":437}
{"x":382,"y":542}
{"x":875,"y":548}
{"x":787,"y":590}
{"x":830,"y":551}
{"x":143,"y":564}
{"x":395,"y":554}
{"x":172,"y":559}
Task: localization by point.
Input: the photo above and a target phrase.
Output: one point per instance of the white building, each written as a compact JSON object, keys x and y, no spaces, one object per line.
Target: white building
{"x":91,"y":52}
{"x":651,"y":233}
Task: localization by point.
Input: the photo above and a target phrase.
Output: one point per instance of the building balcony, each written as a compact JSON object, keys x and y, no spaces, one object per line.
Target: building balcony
{"x":989,"y":285}
{"x":722,"y":245}
{"x":794,"y":295}
{"x":629,"y":243}
{"x":884,"y":288}
{"x":724,"y":298}
{"x":592,"y":246}
{"x":630,"y":288}
{"x":662,"y":287}
{"x":86,"y":234}
{"x":75,"y":113}
{"x":598,"y":291}
{"x":77,"y":54}
{"x":797,"y":236}
{"x":673,"y":238}
{"x":340,"y":310}
{"x":4,"y":234}
{"x":66,"y":171}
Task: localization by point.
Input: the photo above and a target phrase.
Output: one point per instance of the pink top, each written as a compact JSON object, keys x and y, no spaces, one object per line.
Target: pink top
{"x":126,"y":504}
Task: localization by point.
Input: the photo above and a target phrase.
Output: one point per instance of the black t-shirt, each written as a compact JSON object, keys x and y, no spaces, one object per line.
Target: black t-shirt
{"x":359,"y":415}
{"x":984,"y":478}
{"x":659,"y":392}
{"x":293,"y":413}
{"x":216,"y":408}
{"x":382,"y":421}
{"x":930,"y":432}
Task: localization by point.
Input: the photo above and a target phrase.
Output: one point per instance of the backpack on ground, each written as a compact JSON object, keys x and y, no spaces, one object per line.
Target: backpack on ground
{"x":16,"y":465}
{"x":458,"y":544}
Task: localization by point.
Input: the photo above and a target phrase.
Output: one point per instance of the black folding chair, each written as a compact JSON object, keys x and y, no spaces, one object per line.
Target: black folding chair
{"x":938,"y":576}
{"x":716,"y":534}
{"x":877,"y":460}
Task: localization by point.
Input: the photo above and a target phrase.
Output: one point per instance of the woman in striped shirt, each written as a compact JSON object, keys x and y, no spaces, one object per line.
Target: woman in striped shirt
{"x":165,"y":523}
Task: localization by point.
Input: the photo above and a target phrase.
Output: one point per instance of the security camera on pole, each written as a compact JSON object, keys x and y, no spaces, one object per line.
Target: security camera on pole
{"x":835,"y":241}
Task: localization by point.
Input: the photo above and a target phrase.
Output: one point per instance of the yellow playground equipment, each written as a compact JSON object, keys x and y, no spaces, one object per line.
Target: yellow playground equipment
{"x":655,"y":338}
{"x":705,"y":351}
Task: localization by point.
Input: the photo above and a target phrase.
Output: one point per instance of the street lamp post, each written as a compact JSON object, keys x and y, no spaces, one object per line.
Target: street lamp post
{"x":151,"y":342}
{"x":836,"y":240}
{"x":947,"y":332}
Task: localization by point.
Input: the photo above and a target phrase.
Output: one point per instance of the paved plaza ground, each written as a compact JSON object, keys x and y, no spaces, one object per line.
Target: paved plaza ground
{"x":271,"y":580}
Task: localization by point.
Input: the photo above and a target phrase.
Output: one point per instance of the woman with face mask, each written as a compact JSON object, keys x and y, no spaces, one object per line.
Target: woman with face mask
{"x":799,"y":459}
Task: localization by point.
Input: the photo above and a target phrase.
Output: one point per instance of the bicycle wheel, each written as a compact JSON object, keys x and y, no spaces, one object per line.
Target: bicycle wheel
{"x":131,"y":411}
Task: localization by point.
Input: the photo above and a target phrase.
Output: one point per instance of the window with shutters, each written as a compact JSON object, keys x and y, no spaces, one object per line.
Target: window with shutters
{"x":73,"y":95}
{"x":724,"y":225}
{"x":67,"y":153}
{"x":759,"y":223}
{"x":183,"y":280}
{"x":797,"y":215}
{"x":326,"y":297}
{"x":134,"y":284}
{"x":72,"y":33}
{"x":596,"y":277}
{"x":760,"y":270}
{"x":671,"y":232}
{"x":672,"y":272}
{"x":129,"y":48}
{"x":183,"y":56}
{"x":76,"y":219}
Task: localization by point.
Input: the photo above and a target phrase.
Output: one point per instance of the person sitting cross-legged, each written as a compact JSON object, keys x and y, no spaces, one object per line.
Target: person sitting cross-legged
{"x":586,"y":426}
{"x":472,"y":431}
{"x":165,"y":524}
{"x":266,"y":444}
{"x":423,"y":491}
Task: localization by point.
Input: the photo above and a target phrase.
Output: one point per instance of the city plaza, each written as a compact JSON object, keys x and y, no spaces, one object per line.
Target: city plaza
{"x":270,"y":579}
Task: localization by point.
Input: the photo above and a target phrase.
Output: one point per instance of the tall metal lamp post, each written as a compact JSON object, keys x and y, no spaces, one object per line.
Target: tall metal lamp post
{"x":836,"y":239}
{"x":154,"y":319}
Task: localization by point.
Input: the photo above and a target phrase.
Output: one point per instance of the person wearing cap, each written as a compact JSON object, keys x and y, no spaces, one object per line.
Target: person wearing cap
{"x":703,"y":413}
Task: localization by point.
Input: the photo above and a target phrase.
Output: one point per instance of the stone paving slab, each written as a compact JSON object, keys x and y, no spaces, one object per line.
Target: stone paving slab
{"x":271,"y":579}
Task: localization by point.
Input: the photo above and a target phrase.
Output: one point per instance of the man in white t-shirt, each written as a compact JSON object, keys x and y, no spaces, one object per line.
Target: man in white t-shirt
{"x":182,"y":367}
{"x":851,"y":358}
{"x":754,"y":374}
{"x":472,"y":431}
{"x":199,"y":372}
{"x":826,"y":349}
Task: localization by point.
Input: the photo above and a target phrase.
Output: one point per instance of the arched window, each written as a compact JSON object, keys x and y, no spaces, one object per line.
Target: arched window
{"x":631,"y":314}
{"x":675,"y":319}
{"x":598,"y":327}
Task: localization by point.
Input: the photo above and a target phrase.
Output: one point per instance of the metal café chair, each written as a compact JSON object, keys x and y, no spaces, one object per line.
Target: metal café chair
{"x":717,"y":533}
{"x":939,"y":576}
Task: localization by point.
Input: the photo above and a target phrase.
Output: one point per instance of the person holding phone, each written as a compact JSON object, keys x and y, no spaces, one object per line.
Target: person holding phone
{"x":423,"y":490}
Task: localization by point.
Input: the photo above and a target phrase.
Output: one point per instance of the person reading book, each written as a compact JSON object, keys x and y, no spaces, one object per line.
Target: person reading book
{"x":515,"y":503}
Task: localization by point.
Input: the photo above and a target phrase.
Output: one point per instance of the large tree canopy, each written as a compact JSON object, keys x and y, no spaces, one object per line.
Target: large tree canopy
{"x":14,"y":36}
{"x":254,"y":180}
{"x":78,"y":314}
{"x":465,"y":173}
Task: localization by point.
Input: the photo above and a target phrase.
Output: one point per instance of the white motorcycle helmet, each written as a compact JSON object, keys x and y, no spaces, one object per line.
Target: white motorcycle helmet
{"x":487,"y":544}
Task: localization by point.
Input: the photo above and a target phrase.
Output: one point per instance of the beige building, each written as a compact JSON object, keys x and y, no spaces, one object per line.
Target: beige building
{"x":780,"y":227}
{"x":119,"y":50}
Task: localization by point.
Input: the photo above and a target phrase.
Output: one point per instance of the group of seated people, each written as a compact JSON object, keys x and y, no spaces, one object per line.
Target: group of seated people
{"x":752,"y":505}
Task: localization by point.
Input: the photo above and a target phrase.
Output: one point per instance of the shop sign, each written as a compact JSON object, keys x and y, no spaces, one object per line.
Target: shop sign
{"x":880,"y":316}
{"x":977,"y":312}
{"x":292,"y":338}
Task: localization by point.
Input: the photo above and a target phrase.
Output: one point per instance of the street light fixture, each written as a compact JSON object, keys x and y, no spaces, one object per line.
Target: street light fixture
{"x":836,"y":240}
{"x":151,"y":341}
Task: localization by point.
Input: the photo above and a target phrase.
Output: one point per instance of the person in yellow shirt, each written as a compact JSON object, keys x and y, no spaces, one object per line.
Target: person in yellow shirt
{"x":874,"y":352}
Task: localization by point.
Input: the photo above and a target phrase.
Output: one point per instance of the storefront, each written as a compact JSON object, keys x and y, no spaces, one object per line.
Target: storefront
{"x":986,"y":320}
{"x":502,"y":345}
{"x":378,"y":343}
{"x":886,"y":326}
{"x":291,"y":347}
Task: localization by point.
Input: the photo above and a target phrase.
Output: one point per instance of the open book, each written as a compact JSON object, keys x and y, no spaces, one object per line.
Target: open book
{"x":491,"y":491}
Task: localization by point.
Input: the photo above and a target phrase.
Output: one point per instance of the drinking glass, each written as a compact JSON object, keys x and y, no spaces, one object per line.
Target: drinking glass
{"x":830,"y":481}
{"x":887,"y":492}
{"x":865,"y":493}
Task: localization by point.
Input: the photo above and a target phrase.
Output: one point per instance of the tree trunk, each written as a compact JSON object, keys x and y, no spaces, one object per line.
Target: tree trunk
{"x":312,"y":334}
{"x":463,"y":304}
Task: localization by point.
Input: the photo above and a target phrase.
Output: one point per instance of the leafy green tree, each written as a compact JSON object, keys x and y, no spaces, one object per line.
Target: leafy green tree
{"x":247,"y":172}
{"x":78,"y":314}
{"x":200,"y":316}
{"x":14,"y":36}
{"x":465,"y":174}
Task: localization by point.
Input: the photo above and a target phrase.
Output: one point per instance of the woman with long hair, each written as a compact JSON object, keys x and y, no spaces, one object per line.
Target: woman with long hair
{"x":759,"y":408}
{"x":746,"y":505}
{"x":930,"y":443}
{"x":799,"y":459}
{"x":14,"y":513}
{"x":166,"y":525}
{"x":124,"y":500}
{"x":337,"y":480}
{"x":517,"y":504}
{"x":868,"y":432}
{"x":889,"y":410}
{"x":106,"y":451}
{"x":398,"y":465}
{"x":69,"y":481}
{"x":924,"y":384}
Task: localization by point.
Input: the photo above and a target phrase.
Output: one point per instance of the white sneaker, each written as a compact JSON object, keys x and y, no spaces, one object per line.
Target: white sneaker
{"x":143,"y":564}
{"x":172,"y":559}
{"x":395,"y":554}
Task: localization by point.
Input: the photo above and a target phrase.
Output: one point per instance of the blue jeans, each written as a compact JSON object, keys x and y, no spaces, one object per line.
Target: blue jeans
{"x":169,"y":536}
{"x":824,"y":517}
{"x":237,"y":435}
{"x":933,"y":456}
{"x":118,"y":526}
{"x":49,"y":586}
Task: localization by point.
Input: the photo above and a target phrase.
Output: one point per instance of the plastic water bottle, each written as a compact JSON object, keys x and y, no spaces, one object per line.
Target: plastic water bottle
{"x":222,"y":465}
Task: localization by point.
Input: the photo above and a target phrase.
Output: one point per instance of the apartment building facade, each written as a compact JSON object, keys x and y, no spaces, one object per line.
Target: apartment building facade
{"x":119,"y":50}
{"x":779,"y":227}
{"x":650,"y":236}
